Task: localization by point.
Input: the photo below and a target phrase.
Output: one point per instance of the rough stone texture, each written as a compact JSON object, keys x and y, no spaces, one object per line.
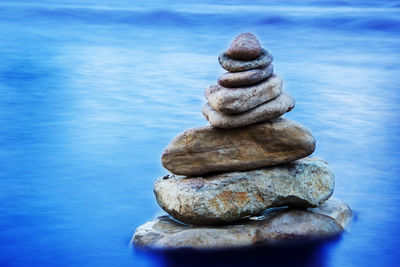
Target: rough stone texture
{"x":238,"y":100}
{"x":245,"y":78}
{"x":206,"y":149}
{"x":265,"y":112}
{"x":277,"y":225}
{"x":234,"y":65}
{"x":244,"y":47}
{"x":226,"y":197}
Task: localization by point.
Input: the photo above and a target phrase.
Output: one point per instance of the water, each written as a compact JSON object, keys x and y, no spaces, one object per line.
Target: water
{"x":92,"y":91}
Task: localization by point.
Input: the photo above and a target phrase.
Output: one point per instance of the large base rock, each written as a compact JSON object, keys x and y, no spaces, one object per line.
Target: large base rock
{"x":226,"y":197}
{"x":206,"y":149}
{"x":326,"y":221}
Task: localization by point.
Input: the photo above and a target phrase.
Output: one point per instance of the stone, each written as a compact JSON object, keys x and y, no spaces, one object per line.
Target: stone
{"x":335,"y":209}
{"x":245,"y":78}
{"x":238,"y":100}
{"x":227,"y":197}
{"x":234,"y":65}
{"x":265,"y":112}
{"x":244,"y":47}
{"x":274,"y":226}
{"x":207,"y":149}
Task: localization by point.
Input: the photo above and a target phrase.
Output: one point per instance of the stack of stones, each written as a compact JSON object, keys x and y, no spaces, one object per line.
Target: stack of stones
{"x":249,"y":92}
{"x":230,"y":178}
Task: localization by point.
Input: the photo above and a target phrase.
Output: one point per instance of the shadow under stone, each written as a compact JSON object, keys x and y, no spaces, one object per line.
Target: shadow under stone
{"x":296,"y":253}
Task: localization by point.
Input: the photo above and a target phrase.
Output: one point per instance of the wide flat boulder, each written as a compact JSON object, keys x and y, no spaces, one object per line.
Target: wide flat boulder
{"x":207,"y":149}
{"x":273,"y":226}
{"x":226,"y":197}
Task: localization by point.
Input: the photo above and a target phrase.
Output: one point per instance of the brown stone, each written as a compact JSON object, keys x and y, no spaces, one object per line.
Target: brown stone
{"x":245,"y":78}
{"x":226,"y":197}
{"x":267,"y":111}
{"x":238,"y":100}
{"x":275,"y":225}
{"x":206,"y":149}
{"x":244,"y":47}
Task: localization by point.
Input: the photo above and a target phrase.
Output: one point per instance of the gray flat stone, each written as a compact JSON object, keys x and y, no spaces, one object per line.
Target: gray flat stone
{"x":265,"y":112}
{"x":226,"y":197}
{"x":245,"y":78}
{"x":234,"y":65}
{"x":207,"y":149}
{"x":277,"y":225}
{"x":238,"y":100}
{"x":244,"y":47}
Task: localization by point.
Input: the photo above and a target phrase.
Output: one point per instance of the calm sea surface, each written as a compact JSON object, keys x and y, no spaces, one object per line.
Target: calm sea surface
{"x":92,"y":91}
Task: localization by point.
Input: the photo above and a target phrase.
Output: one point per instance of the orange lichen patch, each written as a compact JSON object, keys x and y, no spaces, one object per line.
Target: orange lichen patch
{"x":260,"y":198}
{"x":237,"y":196}
{"x":228,"y":200}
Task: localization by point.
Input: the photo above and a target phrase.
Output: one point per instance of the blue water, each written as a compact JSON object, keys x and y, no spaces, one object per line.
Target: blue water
{"x":92,"y":91}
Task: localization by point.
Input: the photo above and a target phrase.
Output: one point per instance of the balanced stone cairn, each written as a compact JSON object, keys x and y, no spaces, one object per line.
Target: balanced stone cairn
{"x":231,"y":179}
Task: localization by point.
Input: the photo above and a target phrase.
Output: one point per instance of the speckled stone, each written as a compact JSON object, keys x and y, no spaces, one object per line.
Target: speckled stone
{"x":245,"y":78}
{"x":234,"y":65}
{"x":244,"y":47}
{"x":274,"y":226}
{"x":226,"y":197}
{"x":207,"y":149}
{"x":265,"y":112}
{"x":238,"y":100}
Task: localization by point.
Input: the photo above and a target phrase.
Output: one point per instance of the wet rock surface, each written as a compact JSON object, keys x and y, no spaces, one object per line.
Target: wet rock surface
{"x":207,"y":149}
{"x":226,"y":197}
{"x":238,"y":100}
{"x":274,"y":226}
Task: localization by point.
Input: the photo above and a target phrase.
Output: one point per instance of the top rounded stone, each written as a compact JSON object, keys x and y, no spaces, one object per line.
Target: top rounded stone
{"x":244,"y":47}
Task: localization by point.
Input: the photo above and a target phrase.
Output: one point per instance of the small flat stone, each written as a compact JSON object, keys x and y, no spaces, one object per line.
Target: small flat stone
{"x":245,"y":78}
{"x":275,"y":226}
{"x":207,"y":149}
{"x":244,"y":47}
{"x":238,"y":100}
{"x":234,"y":65}
{"x":226,"y":197}
{"x":265,"y":112}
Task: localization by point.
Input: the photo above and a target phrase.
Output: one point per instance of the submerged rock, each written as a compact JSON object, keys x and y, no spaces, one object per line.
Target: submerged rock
{"x":245,"y":78}
{"x":234,"y":65}
{"x":267,"y":111}
{"x":207,"y":149}
{"x":238,"y":100}
{"x":277,"y":225}
{"x":226,"y":197}
{"x":244,"y":47}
